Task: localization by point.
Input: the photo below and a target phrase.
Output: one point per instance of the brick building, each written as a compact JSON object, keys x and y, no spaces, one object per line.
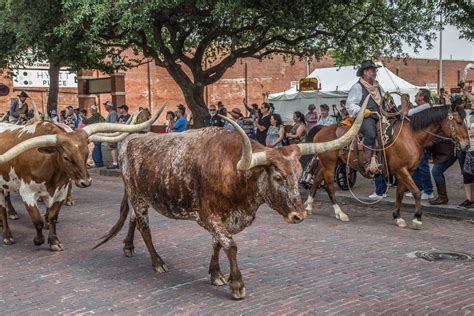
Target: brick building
{"x":149,"y":83}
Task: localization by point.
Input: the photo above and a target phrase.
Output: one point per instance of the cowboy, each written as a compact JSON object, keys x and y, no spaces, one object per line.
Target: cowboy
{"x":18,"y":109}
{"x":367,"y":85}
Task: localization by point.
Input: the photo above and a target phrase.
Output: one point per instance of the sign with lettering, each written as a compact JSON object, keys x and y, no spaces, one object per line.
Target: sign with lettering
{"x":309,"y":84}
{"x":39,"y":78}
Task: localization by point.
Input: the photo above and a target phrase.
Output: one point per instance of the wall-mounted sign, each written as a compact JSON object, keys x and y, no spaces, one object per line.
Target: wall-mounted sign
{"x":102,"y":85}
{"x":39,"y":78}
{"x":309,"y":84}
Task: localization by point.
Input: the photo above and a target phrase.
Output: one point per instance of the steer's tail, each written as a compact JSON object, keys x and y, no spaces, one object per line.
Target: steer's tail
{"x":124,"y":209}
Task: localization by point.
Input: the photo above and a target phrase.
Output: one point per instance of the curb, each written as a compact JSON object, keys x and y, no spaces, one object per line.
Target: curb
{"x":451,"y":211}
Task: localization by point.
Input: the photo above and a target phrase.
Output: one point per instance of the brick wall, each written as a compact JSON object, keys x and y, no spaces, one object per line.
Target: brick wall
{"x":268,"y":76}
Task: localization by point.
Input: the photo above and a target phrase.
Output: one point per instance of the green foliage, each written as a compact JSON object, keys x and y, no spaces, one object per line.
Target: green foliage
{"x":460,"y":13}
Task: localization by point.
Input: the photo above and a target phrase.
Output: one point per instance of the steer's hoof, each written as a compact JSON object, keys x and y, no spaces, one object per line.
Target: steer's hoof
{"x":70,"y":202}
{"x":56,"y":247}
{"x":38,"y":241}
{"x":218,"y":279}
{"x":400,"y":222}
{"x":13,"y":216}
{"x":8,"y":241}
{"x":129,"y":251}
{"x":238,"y":293}
{"x":416,"y":223}
{"x":161,"y":268}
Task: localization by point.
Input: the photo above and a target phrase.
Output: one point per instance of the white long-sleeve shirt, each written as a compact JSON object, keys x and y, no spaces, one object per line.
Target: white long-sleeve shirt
{"x":419,"y":108}
{"x":354,"y":99}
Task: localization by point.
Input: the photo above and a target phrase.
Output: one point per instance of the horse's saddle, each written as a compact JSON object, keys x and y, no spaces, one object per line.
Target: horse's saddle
{"x":387,"y":131}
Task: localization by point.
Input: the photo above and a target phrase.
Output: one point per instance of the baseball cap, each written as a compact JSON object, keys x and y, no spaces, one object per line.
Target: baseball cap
{"x":123,"y":106}
{"x":108,"y":103}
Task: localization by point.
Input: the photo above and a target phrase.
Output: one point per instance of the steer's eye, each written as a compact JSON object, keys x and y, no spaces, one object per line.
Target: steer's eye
{"x":277,"y":178}
{"x":67,"y":158}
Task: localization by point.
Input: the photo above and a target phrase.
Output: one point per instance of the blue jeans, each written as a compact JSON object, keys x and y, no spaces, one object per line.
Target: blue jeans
{"x":439,"y":169}
{"x":380,"y":185}
{"x":422,"y":175}
{"x":97,"y":155}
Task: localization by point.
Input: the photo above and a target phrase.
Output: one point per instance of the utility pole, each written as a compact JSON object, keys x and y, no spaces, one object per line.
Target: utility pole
{"x":440,"y":74}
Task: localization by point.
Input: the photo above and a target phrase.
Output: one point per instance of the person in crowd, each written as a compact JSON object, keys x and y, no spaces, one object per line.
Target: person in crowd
{"x":444,"y":156}
{"x":70,"y":118}
{"x":253,"y":110}
{"x":272,"y":108}
{"x":183,"y":108}
{"x":325,"y":119}
{"x":213,"y":119}
{"x":124,"y":116}
{"x":77,"y":113}
{"x":54,"y":116}
{"x":468,"y":179}
{"x":311,"y":117}
{"x":170,"y":119}
{"x":82,"y":117}
{"x":422,"y":174}
{"x":181,"y":123}
{"x":297,"y":132}
{"x":97,"y":152}
{"x":112,"y":117}
{"x":222,"y":111}
{"x":18,"y":110}
{"x":276,"y":132}
{"x":235,"y":115}
{"x":263,"y":123}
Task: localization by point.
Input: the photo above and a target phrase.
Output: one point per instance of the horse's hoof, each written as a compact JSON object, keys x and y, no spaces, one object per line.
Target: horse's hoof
{"x":161,"y":268}
{"x":400,"y":222}
{"x":416,"y":223}
{"x":13,"y":216}
{"x":309,"y":210}
{"x":129,"y":252}
{"x":70,"y":202}
{"x":8,"y":241}
{"x":218,"y":279}
{"x":56,"y":247}
{"x":342,"y":217}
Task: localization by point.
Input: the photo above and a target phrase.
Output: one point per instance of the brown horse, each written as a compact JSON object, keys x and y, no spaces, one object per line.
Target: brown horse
{"x":410,"y":136}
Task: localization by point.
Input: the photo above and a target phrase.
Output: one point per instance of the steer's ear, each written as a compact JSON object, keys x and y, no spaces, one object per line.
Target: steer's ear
{"x":48,"y":150}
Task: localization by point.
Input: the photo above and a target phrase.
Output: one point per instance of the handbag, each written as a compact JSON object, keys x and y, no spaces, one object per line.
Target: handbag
{"x":468,"y":167}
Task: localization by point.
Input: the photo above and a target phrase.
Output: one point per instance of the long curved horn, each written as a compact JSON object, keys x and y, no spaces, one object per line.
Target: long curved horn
{"x":131,"y":120}
{"x":113,"y":127}
{"x":313,"y":148}
{"x":36,"y":115}
{"x":248,"y":160}
{"x":35,"y":142}
{"x":113,"y":137}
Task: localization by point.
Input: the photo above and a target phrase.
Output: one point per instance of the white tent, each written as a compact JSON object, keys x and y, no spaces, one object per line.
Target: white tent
{"x":335,"y":83}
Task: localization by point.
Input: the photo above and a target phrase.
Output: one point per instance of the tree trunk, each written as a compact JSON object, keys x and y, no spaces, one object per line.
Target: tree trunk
{"x":194,"y":96}
{"x":53,"y":71}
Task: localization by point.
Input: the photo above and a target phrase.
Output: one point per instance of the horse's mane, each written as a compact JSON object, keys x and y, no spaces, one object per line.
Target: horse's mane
{"x":424,"y":118}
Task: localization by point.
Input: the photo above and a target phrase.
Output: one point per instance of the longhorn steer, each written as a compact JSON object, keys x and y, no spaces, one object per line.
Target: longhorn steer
{"x":215,"y":177}
{"x":39,"y":160}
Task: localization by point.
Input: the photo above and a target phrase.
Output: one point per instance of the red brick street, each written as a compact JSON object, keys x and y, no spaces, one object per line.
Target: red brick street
{"x":319,"y":266}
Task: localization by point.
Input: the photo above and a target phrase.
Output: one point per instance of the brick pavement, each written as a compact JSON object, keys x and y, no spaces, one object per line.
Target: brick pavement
{"x":319,"y":266}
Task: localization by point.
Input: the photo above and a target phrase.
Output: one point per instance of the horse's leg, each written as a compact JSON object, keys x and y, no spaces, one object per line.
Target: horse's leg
{"x":407,"y":180}
{"x":319,"y":177}
{"x":329,"y":169}
{"x":399,"y":221}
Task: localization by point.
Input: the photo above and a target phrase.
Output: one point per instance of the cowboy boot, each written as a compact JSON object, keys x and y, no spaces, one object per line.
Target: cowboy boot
{"x":442,"y":196}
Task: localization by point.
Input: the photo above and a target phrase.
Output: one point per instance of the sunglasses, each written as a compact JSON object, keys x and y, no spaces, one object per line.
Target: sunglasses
{"x":212,"y":110}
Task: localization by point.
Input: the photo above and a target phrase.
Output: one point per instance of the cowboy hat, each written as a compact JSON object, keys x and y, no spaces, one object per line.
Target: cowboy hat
{"x":23,"y":95}
{"x":364,"y":65}
{"x":236,"y":113}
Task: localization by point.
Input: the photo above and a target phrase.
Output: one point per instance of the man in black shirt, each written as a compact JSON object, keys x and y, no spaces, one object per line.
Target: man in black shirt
{"x":123,"y":114}
{"x":212,"y":119}
{"x":263,"y":123}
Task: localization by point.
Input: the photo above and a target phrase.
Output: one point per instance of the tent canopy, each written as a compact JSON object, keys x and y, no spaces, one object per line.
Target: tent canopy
{"x":335,"y":85}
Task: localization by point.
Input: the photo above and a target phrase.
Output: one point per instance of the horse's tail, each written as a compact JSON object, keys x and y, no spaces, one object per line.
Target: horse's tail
{"x":124,"y":209}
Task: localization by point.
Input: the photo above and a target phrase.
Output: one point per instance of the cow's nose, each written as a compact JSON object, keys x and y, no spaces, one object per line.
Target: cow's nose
{"x":296,"y":217}
{"x":84,"y":183}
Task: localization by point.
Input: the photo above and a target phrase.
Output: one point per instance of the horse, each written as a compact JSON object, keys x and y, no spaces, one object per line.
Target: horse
{"x":403,"y":154}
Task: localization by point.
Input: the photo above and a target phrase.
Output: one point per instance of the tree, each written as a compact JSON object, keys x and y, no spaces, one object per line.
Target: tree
{"x":183,"y":36}
{"x":29,"y":32}
{"x":460,"y":13}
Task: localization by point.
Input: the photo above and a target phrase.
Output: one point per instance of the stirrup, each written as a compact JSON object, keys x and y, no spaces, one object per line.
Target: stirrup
{"x":373,"y":167}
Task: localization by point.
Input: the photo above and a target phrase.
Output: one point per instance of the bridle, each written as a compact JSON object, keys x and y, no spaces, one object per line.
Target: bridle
{"x":454,"y":137}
